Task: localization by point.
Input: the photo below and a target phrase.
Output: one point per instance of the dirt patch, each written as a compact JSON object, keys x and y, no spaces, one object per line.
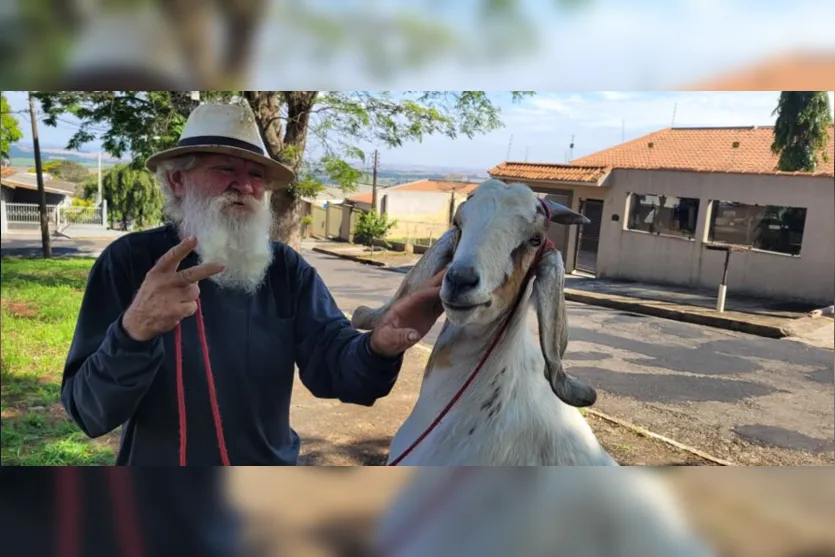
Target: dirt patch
{"x":336,"y":434}
{"x":21,"y":309}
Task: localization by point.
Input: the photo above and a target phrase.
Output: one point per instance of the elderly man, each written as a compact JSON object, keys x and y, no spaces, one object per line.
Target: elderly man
{"x":188,"y":334}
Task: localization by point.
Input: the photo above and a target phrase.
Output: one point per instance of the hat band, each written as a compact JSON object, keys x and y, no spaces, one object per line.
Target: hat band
{"x":203,"y":140}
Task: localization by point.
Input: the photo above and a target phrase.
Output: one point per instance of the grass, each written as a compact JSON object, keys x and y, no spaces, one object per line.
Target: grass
{"x":40,"y":302}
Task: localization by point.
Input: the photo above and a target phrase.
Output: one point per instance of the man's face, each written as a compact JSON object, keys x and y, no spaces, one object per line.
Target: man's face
{"x":224,"y":206}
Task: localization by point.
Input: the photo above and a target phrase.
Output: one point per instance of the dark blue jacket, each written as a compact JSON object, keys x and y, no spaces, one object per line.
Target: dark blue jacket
{"x":254,"y":343}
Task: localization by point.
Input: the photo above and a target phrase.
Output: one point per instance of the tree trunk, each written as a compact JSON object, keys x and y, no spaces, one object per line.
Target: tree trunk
{"x":287,"y":148}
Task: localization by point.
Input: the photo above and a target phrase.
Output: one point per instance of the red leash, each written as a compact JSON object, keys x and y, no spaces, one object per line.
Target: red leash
{"x":181,"y":397}
{"x":462,"y":390}
{"x":71,"y":512}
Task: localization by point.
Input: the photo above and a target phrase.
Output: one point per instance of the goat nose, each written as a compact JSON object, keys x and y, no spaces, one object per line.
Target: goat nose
{"x":462,"y":278}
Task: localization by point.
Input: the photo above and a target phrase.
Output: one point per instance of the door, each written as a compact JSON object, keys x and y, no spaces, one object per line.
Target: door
{"x":588,"y":237}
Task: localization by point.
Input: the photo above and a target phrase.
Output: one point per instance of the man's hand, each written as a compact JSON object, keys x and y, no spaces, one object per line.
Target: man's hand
{"x":167,"y":296}
{"x":409,"y":319}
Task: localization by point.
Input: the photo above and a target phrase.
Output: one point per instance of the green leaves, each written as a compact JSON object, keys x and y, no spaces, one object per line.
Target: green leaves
{"x":9,"y":128}
{"x":802,"y":129}
{"x":130,"y":193}
{"x":373,"y":226}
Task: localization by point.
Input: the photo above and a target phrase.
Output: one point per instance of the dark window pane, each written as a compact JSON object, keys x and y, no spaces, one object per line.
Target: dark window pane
{"x":770,"y":228}
{"x":663,"y":214}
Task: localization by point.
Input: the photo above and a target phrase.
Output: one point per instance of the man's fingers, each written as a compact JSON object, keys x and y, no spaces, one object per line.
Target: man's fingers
{"x":172,"y":258}
{"x":437,"y":279}
{"x":395,"y":340}
{"x":199,"y":272}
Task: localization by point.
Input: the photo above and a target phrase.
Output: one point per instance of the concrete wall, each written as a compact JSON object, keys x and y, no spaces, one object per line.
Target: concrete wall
{"x":419,"y":214}
{"x":641,"y":256}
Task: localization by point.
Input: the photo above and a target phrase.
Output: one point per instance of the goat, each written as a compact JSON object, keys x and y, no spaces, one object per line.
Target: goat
{"x":509,"y":415}
{"x":536,"y":512}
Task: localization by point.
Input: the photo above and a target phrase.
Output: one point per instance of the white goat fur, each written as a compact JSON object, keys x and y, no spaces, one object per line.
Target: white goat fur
{"x":537,"y":512}
{"x":509,"y":416}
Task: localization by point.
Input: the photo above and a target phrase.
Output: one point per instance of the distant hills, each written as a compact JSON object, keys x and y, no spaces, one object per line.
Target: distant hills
{"x":22,"y":156}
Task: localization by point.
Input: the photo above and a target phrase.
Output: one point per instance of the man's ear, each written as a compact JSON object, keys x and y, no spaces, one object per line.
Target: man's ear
{"x":176,"y":178}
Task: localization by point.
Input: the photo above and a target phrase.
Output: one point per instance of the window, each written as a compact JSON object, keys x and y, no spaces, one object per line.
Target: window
{"x":769,"y":228}
{"x":663,"y":214}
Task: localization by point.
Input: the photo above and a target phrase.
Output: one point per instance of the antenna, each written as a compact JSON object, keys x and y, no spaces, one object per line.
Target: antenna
{"x":526,"y":153}
{"x":571,"y":149}
{"x":673,"y":123}
{"x":509,"y":143}
{"x":623,"y":130}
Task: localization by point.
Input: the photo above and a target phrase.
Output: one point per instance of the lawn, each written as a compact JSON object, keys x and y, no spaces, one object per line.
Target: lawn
{"x":40,"y":302}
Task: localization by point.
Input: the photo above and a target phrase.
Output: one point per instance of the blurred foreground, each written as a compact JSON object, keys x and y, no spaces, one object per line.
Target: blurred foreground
{"x":764,"y":512}
{"x":332,"y":512}
{"x":415,"y":44}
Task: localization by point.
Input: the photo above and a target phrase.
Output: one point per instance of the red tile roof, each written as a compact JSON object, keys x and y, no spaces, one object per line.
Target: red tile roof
{"x":737,"y":150}
{"x":420,"y":185}
{"x":591,"y":174}
{"x":799,"y":71}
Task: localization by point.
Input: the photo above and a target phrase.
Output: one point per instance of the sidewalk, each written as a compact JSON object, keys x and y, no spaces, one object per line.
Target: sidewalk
{"x":765,"y":318}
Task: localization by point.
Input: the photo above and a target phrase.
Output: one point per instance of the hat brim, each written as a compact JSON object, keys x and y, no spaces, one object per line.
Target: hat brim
{"x":278,"y":175}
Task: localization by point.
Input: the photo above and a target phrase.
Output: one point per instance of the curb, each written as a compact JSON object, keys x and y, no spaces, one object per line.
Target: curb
{"x":658,"y":309}
{"x":654,"y":309}
{"x":355,"y":258}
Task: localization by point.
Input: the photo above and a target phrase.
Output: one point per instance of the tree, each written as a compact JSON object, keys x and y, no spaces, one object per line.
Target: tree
{"x":372,"y":226}
{"x":9,"y":128}
{"x":131,"y":194}
{"x":141,"y":123}
{"x":804,"y":121}
{"x":67,"y":170}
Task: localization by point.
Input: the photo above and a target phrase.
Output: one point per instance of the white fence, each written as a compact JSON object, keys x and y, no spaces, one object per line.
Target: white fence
{"x":59,"y":217}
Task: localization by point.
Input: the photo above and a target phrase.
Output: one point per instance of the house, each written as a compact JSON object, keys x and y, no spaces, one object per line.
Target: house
{"x":19,"y":199}
{"x":658,"y":201}
{"x":423,"y":209}
{"x":22,"y":187}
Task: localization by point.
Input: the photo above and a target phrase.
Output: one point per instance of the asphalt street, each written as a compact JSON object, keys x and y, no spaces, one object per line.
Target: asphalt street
{"x":750,"y":399}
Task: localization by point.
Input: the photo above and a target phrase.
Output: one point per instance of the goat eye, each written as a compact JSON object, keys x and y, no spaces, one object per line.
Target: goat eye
{"x":536,"y":241}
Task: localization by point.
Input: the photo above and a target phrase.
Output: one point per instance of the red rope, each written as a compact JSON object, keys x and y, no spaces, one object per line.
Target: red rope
{"x":71,"y":512}
{"x":181,"y":399}
{"x":462,"y":390}
{"x":411,"y":527}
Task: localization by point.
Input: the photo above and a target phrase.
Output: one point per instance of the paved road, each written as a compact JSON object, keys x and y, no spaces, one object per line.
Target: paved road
{"x":747,"y":398}
{"x":31,"y":246}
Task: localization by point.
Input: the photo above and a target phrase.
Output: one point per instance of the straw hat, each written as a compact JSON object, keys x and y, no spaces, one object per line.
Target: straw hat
{"x":226,"y":129}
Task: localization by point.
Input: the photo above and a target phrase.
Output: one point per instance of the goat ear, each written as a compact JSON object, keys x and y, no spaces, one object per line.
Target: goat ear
{"x":553,"y":331}
{"x":563,"y":215}
{"x":436,"y":258}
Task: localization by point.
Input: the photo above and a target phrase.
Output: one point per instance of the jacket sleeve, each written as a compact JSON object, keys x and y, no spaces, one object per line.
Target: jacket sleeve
{"x":335,"y":360}
{"x":107,"y":372}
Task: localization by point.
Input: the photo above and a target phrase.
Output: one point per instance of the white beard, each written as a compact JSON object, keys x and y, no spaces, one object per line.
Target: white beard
{"x":238,"y":241}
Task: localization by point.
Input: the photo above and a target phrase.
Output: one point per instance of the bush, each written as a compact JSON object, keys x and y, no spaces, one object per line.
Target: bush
{"x":372,"y":226}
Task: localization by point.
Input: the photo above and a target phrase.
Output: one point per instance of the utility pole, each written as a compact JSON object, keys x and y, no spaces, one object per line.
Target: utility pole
{"x":98,"y":200}
{"x":374,"y":181}
{"x":47,"y":250}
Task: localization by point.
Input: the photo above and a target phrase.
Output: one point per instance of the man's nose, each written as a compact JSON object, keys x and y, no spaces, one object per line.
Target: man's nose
{"x":246,"y":186}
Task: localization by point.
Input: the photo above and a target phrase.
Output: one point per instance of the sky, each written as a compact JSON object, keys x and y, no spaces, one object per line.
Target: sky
{"x":637,"y":45}
{"x":540,"y":129}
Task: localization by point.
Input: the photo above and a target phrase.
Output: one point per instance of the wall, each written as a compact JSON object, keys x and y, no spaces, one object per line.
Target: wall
{"x":419,"y":214}
{"x":649,"y":257}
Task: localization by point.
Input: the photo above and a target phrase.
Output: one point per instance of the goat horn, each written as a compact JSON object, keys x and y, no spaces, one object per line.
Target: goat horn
{"x":563,"y":215}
